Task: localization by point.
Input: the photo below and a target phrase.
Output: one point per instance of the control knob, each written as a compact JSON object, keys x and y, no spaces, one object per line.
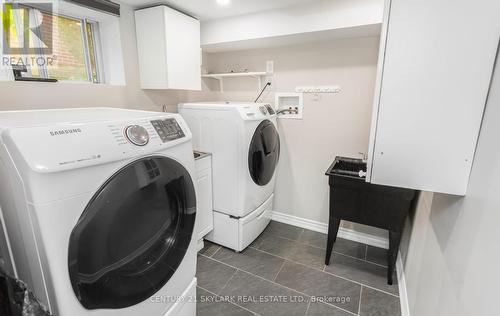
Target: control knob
{"x":137,"y":135}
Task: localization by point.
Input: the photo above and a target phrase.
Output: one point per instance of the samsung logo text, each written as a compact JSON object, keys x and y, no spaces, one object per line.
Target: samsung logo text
{"x":65,"y":132}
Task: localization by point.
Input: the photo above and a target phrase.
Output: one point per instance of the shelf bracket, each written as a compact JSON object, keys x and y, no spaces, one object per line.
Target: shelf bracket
{"x":259,"y":82}
{"x":221,"y":84}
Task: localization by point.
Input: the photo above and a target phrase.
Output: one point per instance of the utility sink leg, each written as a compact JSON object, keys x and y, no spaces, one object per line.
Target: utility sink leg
{"x":333,"y":229}
{"x":392,"y":254}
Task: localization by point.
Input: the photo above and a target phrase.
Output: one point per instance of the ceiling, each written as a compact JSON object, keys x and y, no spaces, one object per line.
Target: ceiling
{"x":210,"y":10}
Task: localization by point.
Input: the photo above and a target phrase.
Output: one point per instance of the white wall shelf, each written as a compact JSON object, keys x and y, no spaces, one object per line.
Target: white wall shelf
{"x":220,"y":77}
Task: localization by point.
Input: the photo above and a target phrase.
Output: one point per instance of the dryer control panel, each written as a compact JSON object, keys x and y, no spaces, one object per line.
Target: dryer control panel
{"x":168,"y":129}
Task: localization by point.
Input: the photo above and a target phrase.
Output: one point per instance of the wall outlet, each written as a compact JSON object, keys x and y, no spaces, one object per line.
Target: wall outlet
{"x":270,"y":66}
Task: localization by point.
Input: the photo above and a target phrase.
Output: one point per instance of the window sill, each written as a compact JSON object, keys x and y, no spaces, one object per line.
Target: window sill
{"x":65,"y":82}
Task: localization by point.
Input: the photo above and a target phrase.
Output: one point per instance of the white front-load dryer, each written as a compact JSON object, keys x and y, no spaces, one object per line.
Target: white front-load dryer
{"x":245,"y":147}
{"x":99,"y":209}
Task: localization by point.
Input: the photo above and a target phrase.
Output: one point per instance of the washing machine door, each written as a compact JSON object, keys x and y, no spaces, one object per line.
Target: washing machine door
{"x":264,"y":153}
{"x":133,"y":234}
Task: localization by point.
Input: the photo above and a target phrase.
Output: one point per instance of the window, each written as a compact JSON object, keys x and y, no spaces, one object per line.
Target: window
{"x":74,"y":47}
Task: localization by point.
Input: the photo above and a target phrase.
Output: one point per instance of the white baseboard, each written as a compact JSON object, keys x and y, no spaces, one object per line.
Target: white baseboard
{"x":403,"y":294}
{"x":299,"y":222}
{"x":345,"y":233}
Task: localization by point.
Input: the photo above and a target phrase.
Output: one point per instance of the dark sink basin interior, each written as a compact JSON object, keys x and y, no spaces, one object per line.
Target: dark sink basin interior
{"x":199,"y":154}
{"x":343,"y":165}
{"x":347,"y":166}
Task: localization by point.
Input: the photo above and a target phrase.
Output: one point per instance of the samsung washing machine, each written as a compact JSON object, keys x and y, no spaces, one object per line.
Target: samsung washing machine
{"x":245,"y":147}
{"x":98,"y":209}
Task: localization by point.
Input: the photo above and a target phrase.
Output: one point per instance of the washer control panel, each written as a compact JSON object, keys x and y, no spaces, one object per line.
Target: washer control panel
{"x":168,"y":129}
{"x":137,"y":135}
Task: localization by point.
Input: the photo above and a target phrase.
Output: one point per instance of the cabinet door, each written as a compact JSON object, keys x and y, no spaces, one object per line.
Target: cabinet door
{"x":204,"y":201}
{"x":183,"y":51}
{"x":168,"y":44}
{"x":436,"y":72}
{"x":152,"y":47}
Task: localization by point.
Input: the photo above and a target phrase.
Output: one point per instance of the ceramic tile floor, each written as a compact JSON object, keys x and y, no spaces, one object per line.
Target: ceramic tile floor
{"x":283,"y":273}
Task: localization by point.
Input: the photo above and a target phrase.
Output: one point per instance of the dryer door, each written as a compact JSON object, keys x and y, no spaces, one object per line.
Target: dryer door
{"x":133,"y":234}
{"x":264,"y":153}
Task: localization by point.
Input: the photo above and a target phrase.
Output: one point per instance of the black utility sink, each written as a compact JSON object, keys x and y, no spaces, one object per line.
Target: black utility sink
{"x":199,"y":154}
{"x":355,"y":200}
{"x":350,"y":167}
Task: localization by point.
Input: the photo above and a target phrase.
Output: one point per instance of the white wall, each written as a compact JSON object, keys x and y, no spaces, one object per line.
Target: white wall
{"x":29,"y":95}
{"x":336,"y":124}
{"x":453,"y":257}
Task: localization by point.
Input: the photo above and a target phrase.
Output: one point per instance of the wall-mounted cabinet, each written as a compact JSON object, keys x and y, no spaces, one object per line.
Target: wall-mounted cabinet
{"x":168,"y":43}
{"x":434,"y":75}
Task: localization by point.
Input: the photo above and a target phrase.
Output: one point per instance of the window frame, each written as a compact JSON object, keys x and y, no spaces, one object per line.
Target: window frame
{"x":97,"y":48}
{"x":96,"y":44}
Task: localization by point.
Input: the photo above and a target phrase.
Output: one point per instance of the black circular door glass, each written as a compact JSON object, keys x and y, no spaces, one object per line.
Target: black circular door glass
{"x":133,"y":234}
{"x":264,"y":153}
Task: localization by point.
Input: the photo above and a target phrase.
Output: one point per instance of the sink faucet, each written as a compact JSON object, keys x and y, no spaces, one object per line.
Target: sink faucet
{"x":364,"y":156}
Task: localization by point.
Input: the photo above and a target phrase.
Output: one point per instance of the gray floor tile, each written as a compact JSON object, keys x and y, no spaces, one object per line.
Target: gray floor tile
{"x":313,"y":238}
{"x":208,"y":304}
{"x":258,"y":241}
{"x":337,"y":291}
{"x":264,"y":297}
{"x":349,"y":248}
{"x":255,"y":292}
{"x":294,"y":251}
{"x":377,"y":255}
{"x":283,"y":230}
{"x":361,"y":271}
{"x":321,"y":309}
{"x":376,"y":303}
{"x":252,"y":260}
{"x":212,"y":275}
{"x":343,"y":246}
{"x":209,"y":249}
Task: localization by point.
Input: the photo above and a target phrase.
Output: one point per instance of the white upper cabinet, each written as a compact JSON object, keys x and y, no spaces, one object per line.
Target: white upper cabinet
{"x":168,"y":43}
{"x":435,"y":68}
